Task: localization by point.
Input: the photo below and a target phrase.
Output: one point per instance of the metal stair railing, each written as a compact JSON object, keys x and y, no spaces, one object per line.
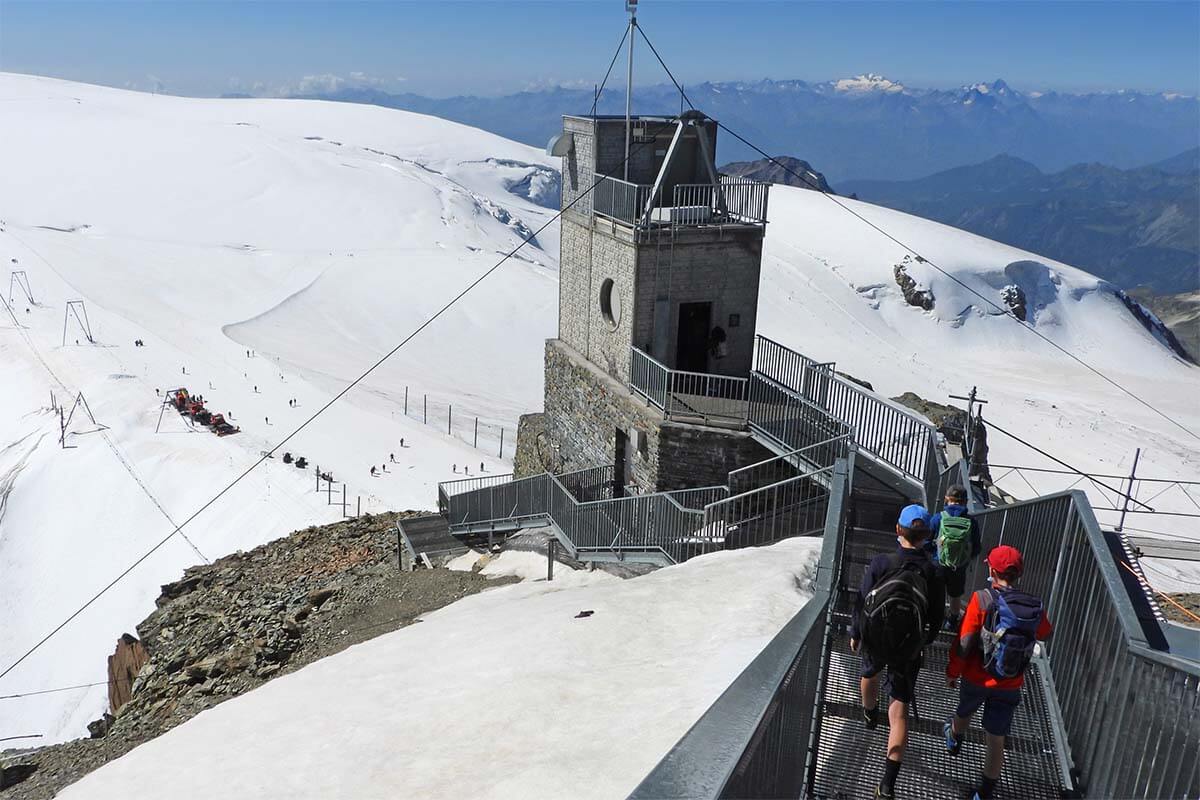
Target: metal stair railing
{"x":764,"y":502}
{"x":1127,"y":715}
{"x":1130,"y":714}
{"x":752,"y":741}
{"x":689,"y":396}
{"x":882,"y":428}
{"x":785,"y":420}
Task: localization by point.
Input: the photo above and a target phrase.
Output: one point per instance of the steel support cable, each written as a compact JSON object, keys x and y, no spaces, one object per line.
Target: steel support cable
{"x":1006,"y":312}
{"x":666,"y":69}
{"x":616,"y":55}
{"x":1059,"y":461}
{"x":269,"y":453}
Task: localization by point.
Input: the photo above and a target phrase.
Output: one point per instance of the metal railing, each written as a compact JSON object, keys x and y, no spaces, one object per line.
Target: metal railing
{"x":790,"y":464}
{"x":451,"y":488}
{"x":883,"y":429}
{"x":753,"y":741}
{"x":511,"y":500}
{"x":692,"y":204}
{"x":745,"y":201}
{"x":620,"y":200}
{"x":689,"y":396}
{"x":593,"y":483}
{"x":792,"y":507}
{"x":1131,"y":714}
{"x":787,"y":418}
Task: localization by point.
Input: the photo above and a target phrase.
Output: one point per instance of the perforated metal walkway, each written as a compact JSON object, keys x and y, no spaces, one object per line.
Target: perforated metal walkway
{"x":850,"y":758}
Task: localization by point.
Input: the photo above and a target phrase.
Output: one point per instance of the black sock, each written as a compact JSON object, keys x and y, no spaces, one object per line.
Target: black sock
{"x":890,"y":771}
{"x":987,"y":786}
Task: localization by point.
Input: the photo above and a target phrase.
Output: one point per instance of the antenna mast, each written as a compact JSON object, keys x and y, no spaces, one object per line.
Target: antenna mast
{"x":631,"y":7}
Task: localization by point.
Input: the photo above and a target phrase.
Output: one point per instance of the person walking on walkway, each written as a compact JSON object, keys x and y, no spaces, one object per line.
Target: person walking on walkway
{"x":899,"y":610}
{"x":954,"y":546}
{"x":995,"y":645}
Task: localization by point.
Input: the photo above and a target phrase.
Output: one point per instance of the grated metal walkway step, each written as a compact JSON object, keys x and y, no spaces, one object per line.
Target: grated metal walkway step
{"x":850,"y":758}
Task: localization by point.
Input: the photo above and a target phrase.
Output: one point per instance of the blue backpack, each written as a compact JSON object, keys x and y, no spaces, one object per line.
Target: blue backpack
{"x":1010,"y":622}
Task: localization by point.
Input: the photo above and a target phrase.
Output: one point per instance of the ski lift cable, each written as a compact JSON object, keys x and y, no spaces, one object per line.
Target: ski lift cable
{"x":266,"y":454}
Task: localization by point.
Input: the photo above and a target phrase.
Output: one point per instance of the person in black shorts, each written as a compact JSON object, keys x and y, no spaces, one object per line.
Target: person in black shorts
{"x":925,"y":591}
{"x":955,"y":577}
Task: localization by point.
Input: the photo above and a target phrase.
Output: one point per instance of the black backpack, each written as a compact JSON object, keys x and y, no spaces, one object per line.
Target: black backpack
{"x":1010,"y":622}
{"x":893,"y":614}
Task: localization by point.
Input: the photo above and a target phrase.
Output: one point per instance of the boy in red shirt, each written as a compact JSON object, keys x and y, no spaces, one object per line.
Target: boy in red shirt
{"x":994,"y":646}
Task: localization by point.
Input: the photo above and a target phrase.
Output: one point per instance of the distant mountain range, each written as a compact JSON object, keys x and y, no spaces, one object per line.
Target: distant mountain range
{"x":866,"y":127}
{"x":1134,"y":227}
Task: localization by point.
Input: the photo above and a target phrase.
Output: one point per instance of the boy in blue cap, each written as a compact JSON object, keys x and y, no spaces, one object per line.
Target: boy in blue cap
{"x":899,"y":610}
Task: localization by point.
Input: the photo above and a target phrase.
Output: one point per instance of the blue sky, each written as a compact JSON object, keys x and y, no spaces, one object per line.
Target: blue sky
{"x":442,"y":47}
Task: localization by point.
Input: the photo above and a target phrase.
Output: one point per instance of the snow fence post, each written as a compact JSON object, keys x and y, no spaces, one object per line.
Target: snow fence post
{"x":476,"y":445}
{"x":502,"y":443}
{"x":344,"y":514}
{"x":449,"y":419}
{"x":426,"y":420}
{"x":406,"y":401}
{"x":551,"y":546}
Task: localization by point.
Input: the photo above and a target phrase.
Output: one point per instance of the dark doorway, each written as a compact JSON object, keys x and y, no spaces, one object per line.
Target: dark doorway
{"x":691,"y":345}
{"x":623,"y":471}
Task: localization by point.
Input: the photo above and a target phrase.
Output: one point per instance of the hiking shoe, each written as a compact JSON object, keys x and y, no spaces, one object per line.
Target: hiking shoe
{"x":953,"y":745}
{"x":982,"y":792}
{"x":871,"y":717}
{"x":884,"y":792}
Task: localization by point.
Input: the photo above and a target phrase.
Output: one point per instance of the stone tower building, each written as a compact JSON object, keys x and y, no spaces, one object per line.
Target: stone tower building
{"x":659,"y":275}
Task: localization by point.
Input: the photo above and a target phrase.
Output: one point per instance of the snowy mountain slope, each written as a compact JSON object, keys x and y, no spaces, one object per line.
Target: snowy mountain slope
{"x":317,"y":235}
{"x":829,"y":291}
{"x":548,"y":704}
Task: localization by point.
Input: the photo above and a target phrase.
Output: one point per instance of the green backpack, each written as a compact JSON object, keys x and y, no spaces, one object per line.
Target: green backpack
{"x":954,"y":541}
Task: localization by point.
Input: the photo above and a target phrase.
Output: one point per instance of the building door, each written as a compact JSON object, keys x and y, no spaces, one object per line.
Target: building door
{"x":622,"y":467}
{"x":691,"y":344}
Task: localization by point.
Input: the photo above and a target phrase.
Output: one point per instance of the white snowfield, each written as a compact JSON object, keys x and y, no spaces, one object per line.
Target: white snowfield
{"x":828,"y":290}
{"x":505,"y":694}
{"x":319,"y":235}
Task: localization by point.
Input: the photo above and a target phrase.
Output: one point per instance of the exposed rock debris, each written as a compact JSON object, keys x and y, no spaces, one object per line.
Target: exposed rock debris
{"x":1014,"y":297}
{"x":921,"y":298}
{"x":230,"y":626}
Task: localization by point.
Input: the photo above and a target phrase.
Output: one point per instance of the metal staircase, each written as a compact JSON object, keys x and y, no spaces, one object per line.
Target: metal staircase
{"x":1107,"y":710}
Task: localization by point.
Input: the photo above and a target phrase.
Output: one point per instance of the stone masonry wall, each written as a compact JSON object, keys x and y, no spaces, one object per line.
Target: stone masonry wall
{"x":584,"y":410}
{"x":578,"y":165}
{"x":574,"y":280}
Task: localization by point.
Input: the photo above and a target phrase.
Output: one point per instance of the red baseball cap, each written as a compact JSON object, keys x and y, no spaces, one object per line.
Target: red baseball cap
{"x":1006,"y":560}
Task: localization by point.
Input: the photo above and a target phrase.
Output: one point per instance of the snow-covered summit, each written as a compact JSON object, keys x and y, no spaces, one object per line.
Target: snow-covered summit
{"x":867,"y":83}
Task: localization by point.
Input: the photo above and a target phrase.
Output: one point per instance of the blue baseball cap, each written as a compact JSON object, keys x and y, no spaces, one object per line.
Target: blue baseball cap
{"x":912,"y":515}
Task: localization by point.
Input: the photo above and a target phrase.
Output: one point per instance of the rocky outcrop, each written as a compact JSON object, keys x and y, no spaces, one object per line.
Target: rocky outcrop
{"x":951,"y":423}
{"x":227,"y":627}
{"x":783,"y":170}
{"x":1155,"y":326}
{"x":1014,"y":297}
{"x":921,"y":298}
{"x":123,"y":668}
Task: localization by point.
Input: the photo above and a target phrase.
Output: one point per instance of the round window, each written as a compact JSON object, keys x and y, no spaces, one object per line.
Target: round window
{"x":610,"y":303}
